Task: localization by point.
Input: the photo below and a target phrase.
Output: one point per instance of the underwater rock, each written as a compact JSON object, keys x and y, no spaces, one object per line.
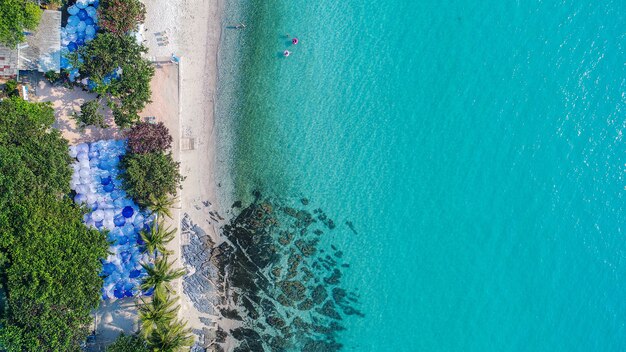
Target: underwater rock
{"x":236,"y":204}
{"x":275,"y":272}
{"x":328,"y":309}
{"x":319,"y":294}
{"x":334,"y":278}
{"x":304,"y":201}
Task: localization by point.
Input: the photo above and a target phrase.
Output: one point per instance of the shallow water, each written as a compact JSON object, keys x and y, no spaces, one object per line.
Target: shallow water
{"x":475,"y":147}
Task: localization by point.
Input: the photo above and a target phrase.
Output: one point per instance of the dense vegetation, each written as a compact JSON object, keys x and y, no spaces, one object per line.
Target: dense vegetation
{"x":50,"y":259}
{"x":149,"y":176}
{"x":15,"y":17}
{"x":121,"y":16}
{"x":148,"y":138}
{"x":128,"y":343}
{"x":89,"y":115}
{"x":129,"y":94}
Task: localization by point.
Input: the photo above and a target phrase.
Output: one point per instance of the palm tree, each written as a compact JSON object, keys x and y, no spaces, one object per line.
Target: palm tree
{"x":161,"y":205}
{"x":158,"y":238}
{"x":160,"y":275}
{"x":161,"y":311}
{"x":170,"y":338}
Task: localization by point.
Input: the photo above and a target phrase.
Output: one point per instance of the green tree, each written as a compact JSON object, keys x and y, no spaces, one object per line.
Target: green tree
{"x":150,"y":176}
{"x":161,"y":205}
{"x":89,"y":115}
{"x":10,"y":88}
{"x":158,"y":312}
{"x":128,"y":343}
{"x":160,"y":275}
{"x":173,"y":337}
{"x":51,"y":259}
{"x":15,"y":17}
{"x":121,"y":16}
{"x":129,"y":94}
{"x":157,"y":238}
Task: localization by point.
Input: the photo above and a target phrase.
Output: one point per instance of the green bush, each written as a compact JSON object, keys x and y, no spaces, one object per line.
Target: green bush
{"x":50,"y":260}
{"x":10,"y":88}
{"x":128,"y":343}
{"x":150,"y":176}
{"x":89,"y":115}
{"x":15,"y":17}
{"x":129,"y":94}
{"x":52,"y":76}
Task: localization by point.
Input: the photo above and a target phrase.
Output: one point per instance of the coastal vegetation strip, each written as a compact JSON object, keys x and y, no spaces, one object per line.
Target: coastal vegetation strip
{"x":50,"y":259}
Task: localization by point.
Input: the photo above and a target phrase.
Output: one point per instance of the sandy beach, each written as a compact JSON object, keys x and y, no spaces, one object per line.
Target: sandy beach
{"x":191,"y":30}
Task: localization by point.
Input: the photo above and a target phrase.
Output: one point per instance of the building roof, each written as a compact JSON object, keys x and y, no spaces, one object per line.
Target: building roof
{"x":8,"y":62}
{"x":41,"y":52}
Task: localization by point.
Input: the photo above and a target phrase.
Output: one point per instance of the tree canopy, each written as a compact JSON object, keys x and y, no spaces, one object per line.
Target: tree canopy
{"x":150,"y":176}
{"x":148,"y":137}
{"x":15,"y":17}
{"x":128,"y":343}
{"x":129,"y":94}
{"x":50,"y":259}
{"x":89,"y":115}
{"x":121,"y":16}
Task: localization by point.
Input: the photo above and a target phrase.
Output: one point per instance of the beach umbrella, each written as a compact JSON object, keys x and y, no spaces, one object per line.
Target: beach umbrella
{"x":72,"y":10}
{"x":72,"y":21}
{"x":91,"y":11}
{"x":80,"y":41}
{"x":80,"y":27}
{"x":81,"y":4}
{"x":72,"y":47}
{"x":119,"y":221}
{"x":109,"y":187}
{"x":82,"y":14}
{"x":90,"y":30}
{"x":128,"y":211}
{"x":72,"y":36}
{"x":80,"y":198}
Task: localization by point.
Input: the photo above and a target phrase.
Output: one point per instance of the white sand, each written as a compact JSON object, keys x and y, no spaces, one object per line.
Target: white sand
{"x":191,"y":30}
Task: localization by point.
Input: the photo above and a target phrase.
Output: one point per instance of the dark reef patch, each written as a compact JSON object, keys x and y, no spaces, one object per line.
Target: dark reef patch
{"x":286,"y":290}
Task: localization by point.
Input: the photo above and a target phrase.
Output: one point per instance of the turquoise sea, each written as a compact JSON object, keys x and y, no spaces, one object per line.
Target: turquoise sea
{"x":476,"y":146}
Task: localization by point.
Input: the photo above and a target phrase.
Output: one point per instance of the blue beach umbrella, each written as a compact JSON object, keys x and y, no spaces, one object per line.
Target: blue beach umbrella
{"x":72,"y":20}
{"x":70,"y":29}
{"x":119,"y":221}
{"x":81,"y":4}
{"x":128,"y":211}
{"x":90,"y":30}
{"x":83,"y":15}
{"x":88,"y":21}
{"x":91,"y":11}
{"x":72,"y":10}
{"x":72,"y":47}
{"x":80,"y":27}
